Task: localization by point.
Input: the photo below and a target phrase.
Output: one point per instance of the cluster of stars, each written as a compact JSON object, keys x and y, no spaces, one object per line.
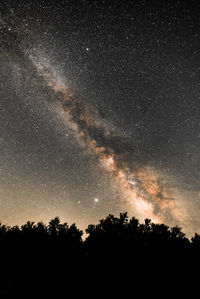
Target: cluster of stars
{"x":140,"y":78}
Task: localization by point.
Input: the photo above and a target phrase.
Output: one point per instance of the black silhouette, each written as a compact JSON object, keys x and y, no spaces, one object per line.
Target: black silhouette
{"x":118,"y":254}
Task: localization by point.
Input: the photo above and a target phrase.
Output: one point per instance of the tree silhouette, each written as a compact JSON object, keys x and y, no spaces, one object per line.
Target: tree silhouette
{"x":196,"y":241}
{"x":130,"y":252}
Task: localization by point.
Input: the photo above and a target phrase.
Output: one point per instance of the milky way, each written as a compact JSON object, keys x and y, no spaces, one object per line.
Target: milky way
{"x":99,"y":111}
{"x":142,"y":190}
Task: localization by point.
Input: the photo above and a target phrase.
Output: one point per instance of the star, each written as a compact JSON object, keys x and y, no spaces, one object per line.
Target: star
{"x":132,"y":182}
{"x":125,"y":115}
{"x":96,"y":200}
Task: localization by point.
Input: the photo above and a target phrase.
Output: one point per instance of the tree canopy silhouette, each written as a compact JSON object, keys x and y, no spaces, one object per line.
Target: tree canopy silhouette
{"x":56,"y":253}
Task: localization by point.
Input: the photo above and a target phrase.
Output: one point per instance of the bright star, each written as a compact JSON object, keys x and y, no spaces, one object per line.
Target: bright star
{"x":132,"y":182}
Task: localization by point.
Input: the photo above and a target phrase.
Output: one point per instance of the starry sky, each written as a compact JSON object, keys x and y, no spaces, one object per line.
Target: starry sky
{"x":99,"y":111}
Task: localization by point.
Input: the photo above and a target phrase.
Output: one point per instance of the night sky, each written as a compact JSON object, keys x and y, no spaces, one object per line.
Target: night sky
{"x":99,"y":111}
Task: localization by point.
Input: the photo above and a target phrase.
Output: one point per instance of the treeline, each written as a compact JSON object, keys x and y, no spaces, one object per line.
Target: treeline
{"x":110,"y":235}
{"x":55,"y":255}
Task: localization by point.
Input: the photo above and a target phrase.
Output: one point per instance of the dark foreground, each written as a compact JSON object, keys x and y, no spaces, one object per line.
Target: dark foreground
{"x":118,"y":257}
